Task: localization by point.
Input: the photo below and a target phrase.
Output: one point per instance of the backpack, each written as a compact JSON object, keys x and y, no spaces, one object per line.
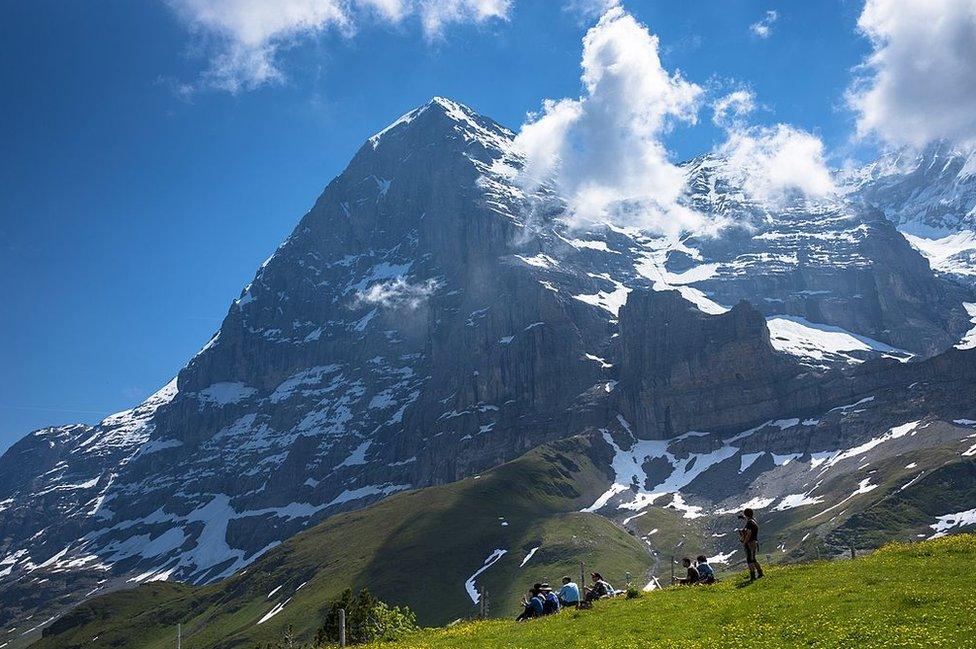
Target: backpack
{"x":551,"y":604}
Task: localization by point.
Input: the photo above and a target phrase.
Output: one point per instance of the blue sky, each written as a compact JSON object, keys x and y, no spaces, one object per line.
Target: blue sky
{"x":137,"y":198}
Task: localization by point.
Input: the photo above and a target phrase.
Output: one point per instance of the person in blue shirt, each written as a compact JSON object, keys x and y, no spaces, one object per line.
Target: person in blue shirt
{"x":706,"y":575}
{"x":569,"y":594}
{"x":534,"y":605}
{"x":552,"y":605}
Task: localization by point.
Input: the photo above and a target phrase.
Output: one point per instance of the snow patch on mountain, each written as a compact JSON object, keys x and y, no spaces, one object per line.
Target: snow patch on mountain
{"x":953,"y":254}
{"x":469,"y":583}
{"x":818,"y":343}
{"x":944,"y":524}
{"x":969,"y":340}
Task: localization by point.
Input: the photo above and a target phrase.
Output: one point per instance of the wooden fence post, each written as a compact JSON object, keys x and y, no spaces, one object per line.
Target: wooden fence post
{"x":342,"y":627}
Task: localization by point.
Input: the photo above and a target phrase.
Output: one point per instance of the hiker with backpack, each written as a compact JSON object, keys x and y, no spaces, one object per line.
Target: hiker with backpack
{"x":569,"y":594}
{"x":749,"y":536}
{"x":534,"y":604}
{"x":600,"y":589}
{"x":706,"y":574}
{"x":692,"y":576}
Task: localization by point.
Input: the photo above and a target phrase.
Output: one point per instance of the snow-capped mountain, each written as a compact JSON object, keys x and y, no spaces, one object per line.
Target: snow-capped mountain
{"x":931,"y":197}
{"x":430,"y":318}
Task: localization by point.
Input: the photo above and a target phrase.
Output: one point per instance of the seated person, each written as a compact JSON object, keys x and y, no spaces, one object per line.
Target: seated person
{"x":534,"y":604}
{"x":569,"y":594}
{"x":550,"y":601}
{"x":705,"y":571}
{"x":601,"y":588}
{"x":692,"y":577}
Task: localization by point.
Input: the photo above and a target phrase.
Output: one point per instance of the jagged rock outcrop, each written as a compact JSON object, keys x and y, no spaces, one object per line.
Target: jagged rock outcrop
{"x":682,"y":370}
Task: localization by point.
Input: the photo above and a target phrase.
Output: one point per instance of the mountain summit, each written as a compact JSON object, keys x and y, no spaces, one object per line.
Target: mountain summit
{"x":427,"y":320}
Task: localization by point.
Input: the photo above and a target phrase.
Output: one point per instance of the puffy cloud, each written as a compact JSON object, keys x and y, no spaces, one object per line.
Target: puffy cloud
{"x":919,"y":82}
{"x":603,"y":151}
{"x":770,"y":163}
{"x":249,"y":34}
{"x":397,"y":293}
{"x":774,"y":163}
{"x":764,"y":27}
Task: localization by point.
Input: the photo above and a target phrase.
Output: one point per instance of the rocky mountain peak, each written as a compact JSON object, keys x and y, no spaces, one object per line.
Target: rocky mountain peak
{"x":440,"y":120}
{"x":417,"y":328}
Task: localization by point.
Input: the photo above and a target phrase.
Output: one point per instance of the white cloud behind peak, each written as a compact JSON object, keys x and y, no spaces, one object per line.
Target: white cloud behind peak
{"x":771,"y":163}
{"x":604,"y":151}
{"x":775,"y":163}
{"x":247,"y":36}
{"x":919,"y":82}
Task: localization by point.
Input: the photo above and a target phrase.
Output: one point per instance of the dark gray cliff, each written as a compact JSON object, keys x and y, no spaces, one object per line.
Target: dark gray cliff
{"x":430,"y":317}
{"x":683,"y":370}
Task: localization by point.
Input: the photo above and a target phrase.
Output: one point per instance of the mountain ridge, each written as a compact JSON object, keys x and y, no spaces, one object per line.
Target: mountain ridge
{"x":430,"y":318}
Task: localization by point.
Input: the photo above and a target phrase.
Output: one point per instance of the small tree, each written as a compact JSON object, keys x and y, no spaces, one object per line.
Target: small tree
{"x":367,"y":619}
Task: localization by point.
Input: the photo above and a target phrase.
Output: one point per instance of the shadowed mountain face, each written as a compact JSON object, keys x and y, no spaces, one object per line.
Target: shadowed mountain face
{"x":430,"y":318}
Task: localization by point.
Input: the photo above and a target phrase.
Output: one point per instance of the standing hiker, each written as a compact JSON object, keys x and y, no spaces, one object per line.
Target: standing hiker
{"x":749,"y":535}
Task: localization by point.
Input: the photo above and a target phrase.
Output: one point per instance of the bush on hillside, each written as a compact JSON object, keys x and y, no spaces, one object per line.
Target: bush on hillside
{"x":367,"y":620}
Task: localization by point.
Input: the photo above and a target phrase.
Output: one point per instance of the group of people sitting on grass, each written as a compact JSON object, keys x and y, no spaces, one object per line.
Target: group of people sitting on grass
{"x":699,"y":573}
{"x":543,"y":600}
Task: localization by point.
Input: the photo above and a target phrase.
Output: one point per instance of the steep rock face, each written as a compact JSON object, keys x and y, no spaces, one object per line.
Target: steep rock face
{"x":430,"y":318}
{"x":683,"y":370}
{"x":390,"y":342}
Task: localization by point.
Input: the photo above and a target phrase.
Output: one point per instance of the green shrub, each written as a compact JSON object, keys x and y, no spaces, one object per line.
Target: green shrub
{"x":367,"y":620}
{"x":633,"y":592}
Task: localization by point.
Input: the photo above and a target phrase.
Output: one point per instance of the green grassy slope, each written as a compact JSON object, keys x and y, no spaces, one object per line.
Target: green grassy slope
{"x":918,"y":595}
{"x":415,"y":548}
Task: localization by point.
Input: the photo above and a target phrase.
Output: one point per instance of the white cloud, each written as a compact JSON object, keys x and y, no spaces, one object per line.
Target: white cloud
{"x":398,"y":293}
{"x":770,"y":163}
{"x":919,"y":82}
{"x":603,"y":151}
{"x":436,"y":14}
{"x":731,"y":108}
{"x":248,"y":35}
{"x":774,"y":163}
{"x":590,"y":9}
{"x":764,"y":27}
